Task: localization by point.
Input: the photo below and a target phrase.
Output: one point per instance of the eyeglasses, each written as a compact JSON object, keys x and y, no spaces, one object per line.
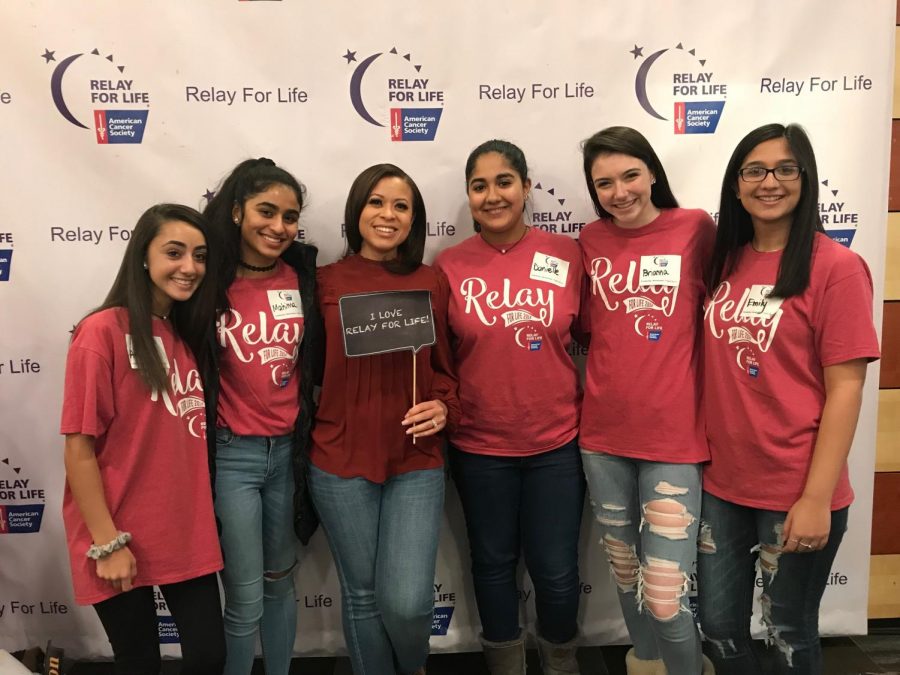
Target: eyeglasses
{"x":757,"y":174}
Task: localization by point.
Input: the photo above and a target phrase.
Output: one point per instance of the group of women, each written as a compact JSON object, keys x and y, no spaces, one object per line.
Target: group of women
{"x":724,"y":377}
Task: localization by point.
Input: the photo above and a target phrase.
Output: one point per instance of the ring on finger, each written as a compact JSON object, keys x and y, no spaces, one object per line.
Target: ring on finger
{"x":805,"y":545}
{"x":433,"y":423}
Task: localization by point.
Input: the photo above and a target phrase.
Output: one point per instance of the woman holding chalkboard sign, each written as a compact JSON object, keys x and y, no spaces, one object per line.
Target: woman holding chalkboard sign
{"x":515,"y":296}
{"x":261,"y":406}
{"x":377,"y":475}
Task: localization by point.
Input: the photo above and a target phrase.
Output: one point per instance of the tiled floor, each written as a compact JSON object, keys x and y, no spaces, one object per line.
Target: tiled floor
{"x":876,"y":653}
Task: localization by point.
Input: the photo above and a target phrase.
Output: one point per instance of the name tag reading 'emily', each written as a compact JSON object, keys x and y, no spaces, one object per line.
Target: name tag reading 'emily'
{"x":390,"y":321}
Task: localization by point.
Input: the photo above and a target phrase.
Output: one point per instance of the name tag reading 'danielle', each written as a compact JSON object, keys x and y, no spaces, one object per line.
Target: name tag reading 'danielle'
{"x":549,"y":268}
{"x":387,"y":321}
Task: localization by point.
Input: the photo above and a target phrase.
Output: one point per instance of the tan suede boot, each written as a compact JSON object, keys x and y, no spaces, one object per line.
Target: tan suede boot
{"x":505,"y":658}
{"x":636,"y":666}
{"x":558,"y":659}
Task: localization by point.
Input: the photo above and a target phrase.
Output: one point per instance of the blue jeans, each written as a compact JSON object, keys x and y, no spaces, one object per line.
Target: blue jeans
{"x":384,"y":539}
{"x":523,"y":504}
{"x":647,"y":513}
{"x":254,"y":503}
{"x":733,"y":539}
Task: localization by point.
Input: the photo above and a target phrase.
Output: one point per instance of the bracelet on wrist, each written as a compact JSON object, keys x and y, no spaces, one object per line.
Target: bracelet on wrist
{"x":96,"y":552}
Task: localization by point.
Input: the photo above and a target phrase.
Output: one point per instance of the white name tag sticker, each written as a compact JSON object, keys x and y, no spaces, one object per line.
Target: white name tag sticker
{"x":285,"y":304}
{"x":550,"y":269}
{"x":129,"y":347}
{"x":759,"y":304}
{"x":660,"y":270}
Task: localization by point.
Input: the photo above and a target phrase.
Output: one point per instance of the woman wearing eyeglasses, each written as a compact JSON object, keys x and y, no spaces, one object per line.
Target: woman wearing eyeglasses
{"x":788,"y":334}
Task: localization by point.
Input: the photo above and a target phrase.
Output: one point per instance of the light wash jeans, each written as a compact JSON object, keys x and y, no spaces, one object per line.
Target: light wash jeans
{"x":384,"y":539}
{"x":648,"y":513}
{"x":735,"y":539}
{"x":254,"y":503}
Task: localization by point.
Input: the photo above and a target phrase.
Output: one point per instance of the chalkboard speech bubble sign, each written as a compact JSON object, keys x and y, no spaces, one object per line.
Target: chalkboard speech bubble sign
{"x":389,"y":321}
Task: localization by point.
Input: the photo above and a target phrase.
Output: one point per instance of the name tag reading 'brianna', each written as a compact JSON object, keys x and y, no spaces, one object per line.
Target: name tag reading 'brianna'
{"x":660,"y":270}
{"x":389,"y":321}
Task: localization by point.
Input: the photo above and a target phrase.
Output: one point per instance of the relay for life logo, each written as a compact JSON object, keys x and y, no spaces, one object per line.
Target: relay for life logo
{"x":839,"y":218}
{"x":552,"y":211}
{"x":6,"y":251}
{"x":92,"y":92}
{"x":389,"y":89}
{"x":676,"y":79}
{"x":21,"y":500}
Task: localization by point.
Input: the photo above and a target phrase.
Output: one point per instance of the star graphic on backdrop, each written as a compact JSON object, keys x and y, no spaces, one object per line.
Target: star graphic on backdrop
{"x":637,"y":51}
{"x":350,"y":56}
{"x":48,"y":56}
{"x":208,"y":195}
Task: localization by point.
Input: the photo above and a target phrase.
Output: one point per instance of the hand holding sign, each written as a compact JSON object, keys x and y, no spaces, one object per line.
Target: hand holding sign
{"x":392,"y":321}
{"x":427,"y":418}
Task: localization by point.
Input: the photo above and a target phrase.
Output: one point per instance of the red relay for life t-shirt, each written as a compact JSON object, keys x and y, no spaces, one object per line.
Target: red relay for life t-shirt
{"x":642,"y":393}
{"x":765,"y":385}
{"x":511,"y":316}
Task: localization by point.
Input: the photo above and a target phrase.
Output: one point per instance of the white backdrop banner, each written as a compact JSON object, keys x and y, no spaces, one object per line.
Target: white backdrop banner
{"x":107,"y":108}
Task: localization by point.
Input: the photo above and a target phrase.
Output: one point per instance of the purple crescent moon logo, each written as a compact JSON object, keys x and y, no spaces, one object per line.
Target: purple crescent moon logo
{"x":640,"y":84}
{"x":356,"y":90}
{"x":56,"y":89}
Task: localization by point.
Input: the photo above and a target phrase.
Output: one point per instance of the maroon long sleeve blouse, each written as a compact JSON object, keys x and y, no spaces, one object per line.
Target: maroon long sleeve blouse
{"x":364,"y":399}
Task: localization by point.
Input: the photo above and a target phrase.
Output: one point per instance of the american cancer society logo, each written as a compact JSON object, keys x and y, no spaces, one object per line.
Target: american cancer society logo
{"x":94,"y":87}
{"x":21,"y":501}
{"x":166,"y":629}
{"x":5,"y":262}
{"x":389,"y":89}
{"x":677,"y":77}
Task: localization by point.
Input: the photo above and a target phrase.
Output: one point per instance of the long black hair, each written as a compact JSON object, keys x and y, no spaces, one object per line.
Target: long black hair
{"x":736,"y":227}
{"x":133,"y":290}
{"x":631,"y":142}
{"x":410,"y":252}
{"x":247,"y":179}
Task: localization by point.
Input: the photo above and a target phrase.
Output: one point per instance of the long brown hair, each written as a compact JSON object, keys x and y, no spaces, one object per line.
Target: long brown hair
{"x":133,"y":289}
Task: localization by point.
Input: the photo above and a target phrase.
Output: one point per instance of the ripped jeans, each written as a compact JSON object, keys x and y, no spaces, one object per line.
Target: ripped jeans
{"x":732,"y":539}
{"x":648,"y":517}
{"x":254,"y":503}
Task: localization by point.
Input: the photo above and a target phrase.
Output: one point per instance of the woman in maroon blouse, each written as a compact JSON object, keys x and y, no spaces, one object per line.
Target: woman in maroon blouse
{"x":377,"y":475}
